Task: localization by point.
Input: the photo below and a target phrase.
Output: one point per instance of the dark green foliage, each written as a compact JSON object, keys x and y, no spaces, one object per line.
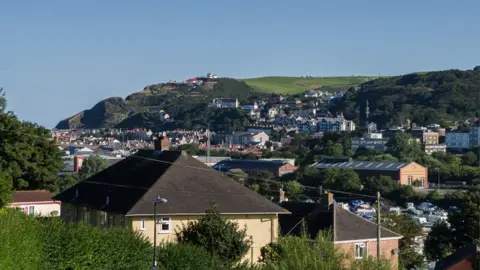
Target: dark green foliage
{"x":21,"y":240}
{"x":438,"y":244}
{"x":421,"y":98}
{"x":404,"y":146}
{"x":5,"y":189}
{"x":187,"y":257}
{"x":92,"y":165}
{"x":409,"y":258}
{"x":28,"y":155}
{"x":78,"y":246}
{"x":463,"y":229}
{"x":298,"y":253}
{"x":340,"y":179}
{"x":220,"y":237}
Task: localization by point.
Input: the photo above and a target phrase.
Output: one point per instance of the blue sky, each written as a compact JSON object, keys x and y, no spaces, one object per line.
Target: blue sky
{"x":60,"y":57}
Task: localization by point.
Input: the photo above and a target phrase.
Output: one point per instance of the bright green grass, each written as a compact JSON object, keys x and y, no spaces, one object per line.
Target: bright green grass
{"x":295,"y":85}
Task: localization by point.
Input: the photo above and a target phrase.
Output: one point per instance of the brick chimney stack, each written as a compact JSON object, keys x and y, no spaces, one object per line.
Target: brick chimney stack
{"x":77,"y":164}
{"x":162,"y":143}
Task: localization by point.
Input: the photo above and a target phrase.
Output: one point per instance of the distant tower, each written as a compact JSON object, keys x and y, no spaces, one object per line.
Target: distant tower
{"x":367,"y":113}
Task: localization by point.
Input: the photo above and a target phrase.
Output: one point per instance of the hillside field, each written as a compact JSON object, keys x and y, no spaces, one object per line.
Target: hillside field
{"x":295,"y":85}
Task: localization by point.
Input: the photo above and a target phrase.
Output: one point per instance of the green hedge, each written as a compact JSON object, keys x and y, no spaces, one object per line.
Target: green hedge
{"x":20,"y":240}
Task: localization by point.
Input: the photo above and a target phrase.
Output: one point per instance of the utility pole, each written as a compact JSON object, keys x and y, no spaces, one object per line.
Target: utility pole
{"x":379,"y":226}
{"x":208,"y":143}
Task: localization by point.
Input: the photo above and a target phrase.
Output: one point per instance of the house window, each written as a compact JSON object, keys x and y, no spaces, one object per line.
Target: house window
{"x":422,"y":180}
{"x":165,"y":225}
{"x":410,"y":179}
{"x":359,"y":251}
{"x":31,"y":210}
{"x":122,"y":221}
{"x":143,"y":224}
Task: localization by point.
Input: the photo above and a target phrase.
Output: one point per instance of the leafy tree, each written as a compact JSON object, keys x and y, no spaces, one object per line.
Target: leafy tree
{"x":341,"y":179}
{"x":293,"y":189}
{"x":404,"y":146}
{"x":91,"y":166}
{"x":5,"y":189}
{"x":438,"y":243}
{"x":217,"y":235}
{"x":28,"y":153}
{"x":463,"y":228}
{"x":469,"y":158}
{"x":403,"y":225}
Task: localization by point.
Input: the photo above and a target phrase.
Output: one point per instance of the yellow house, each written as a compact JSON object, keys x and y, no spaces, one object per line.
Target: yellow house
{"x":123,"y":195}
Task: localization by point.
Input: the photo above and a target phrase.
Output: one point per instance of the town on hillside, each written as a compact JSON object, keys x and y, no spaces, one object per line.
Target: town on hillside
{"x":346,"y":176}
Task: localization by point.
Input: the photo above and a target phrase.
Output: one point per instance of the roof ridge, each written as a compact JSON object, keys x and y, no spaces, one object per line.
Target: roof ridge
{"x":150,"y":189}
{"x":368,"y":221}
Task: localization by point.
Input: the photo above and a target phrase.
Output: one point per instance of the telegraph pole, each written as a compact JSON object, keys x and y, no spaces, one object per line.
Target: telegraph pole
{"x":208,"y":143}
{"x":379,"y":226}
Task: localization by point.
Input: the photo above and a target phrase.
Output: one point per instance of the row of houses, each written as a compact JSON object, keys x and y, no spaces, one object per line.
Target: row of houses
{"x":123,"y":195}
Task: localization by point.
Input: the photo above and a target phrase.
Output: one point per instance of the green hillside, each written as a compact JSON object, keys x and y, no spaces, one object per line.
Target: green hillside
{"x":295,"y":85}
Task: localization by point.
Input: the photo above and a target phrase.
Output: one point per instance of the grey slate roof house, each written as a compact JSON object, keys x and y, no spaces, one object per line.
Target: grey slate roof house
{"x":123,"y":195}
{"x":351,"y":233}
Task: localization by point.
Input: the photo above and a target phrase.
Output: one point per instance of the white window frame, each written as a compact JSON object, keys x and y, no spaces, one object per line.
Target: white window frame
{"x":360,"y":247}
{"x":143,"y":224}
{"x":164,"y":221}
{"x":31,"y":210}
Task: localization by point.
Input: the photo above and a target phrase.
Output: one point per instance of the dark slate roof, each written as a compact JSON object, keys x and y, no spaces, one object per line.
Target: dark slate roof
{"x":249,"y":164}
{"x":363,"y":165}
{"x":345,"y":225}
{"x":188,"y":185}
{"x":467,"y":252}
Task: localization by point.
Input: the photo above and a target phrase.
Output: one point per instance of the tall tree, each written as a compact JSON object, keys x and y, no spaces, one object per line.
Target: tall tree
{"x":217,"y":235}
{"x":92,"y":165}
{"x":463,"y":227}
{"x":409,"y":257}
{"x":404,"y":146}
{"x":28,"y":153}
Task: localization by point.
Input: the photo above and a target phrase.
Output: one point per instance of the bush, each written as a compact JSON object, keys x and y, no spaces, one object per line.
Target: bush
{"x":20,"y":239}
{"x":186,"y":257}
{"x":218,"y":236}
{"x":302,"y":254}
{"x":79,"y":246}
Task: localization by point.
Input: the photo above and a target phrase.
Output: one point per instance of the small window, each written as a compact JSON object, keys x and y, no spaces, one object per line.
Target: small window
{"x":102,"y":218}
{"x":143,"y":224}
{"x":359,"y":251}
{"x":165,"y":225}
{"x":31,"y":210}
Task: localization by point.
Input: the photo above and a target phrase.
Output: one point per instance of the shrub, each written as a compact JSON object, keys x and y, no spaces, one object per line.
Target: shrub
{"x":303,"y":254}
{"x":217,"y":235}
{"x":79,"y":246}
{"x":20,"y":238}
{"x":187,"y":257}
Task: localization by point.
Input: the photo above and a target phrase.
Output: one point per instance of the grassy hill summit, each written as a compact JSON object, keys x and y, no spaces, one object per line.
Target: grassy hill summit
{"x":296,"y":85}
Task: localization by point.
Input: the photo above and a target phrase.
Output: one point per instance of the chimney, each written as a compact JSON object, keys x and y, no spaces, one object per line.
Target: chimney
{"x":162,"y":143}
{"x":77,"y":164}
{"x":282,"y":195}
{"x":326,"y":199}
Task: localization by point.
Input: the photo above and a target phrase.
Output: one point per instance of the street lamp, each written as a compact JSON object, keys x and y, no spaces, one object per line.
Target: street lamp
{"x":158,"y":199}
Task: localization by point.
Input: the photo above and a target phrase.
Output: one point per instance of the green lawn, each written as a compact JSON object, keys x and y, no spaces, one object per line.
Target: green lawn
{"x":295,"y":85}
